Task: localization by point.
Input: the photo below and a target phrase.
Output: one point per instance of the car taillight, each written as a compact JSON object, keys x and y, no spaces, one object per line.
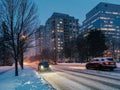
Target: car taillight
{"x":106,"y":63}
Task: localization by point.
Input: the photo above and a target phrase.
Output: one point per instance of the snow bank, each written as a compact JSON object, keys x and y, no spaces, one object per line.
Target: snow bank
{"x":118,"y":64}
{"x":5,"y":68}
{"x":28,"y":79}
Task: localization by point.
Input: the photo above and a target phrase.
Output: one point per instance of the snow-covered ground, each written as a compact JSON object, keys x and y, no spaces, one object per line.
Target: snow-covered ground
{"x":81,"y":68}
{"x":72,"y":64}
{"x":63,"y":79}
{"x":28,"y":79}
{"x":118,"y":64}
{"x":5,"y":68}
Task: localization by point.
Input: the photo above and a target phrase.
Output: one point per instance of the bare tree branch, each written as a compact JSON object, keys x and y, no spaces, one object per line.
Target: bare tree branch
{"x":20,"y":18}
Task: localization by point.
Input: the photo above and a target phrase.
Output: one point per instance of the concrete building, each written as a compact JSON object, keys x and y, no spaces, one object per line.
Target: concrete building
{"x":104,"y":17}
{"x":40,"y":39}
{"x":60,"y":29}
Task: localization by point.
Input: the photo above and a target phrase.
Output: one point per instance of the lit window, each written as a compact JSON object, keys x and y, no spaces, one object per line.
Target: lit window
{"x":75,"y":30}
{"x":113,"y":13}
{"x":94,"y":20}
{"x":108,"y":12}
{"x":105,"y":18}
{"x":61,"y":48}
{"x":58,"y":38}
{"x":111,"y":22}
{"x":58,"y":30}
{"x":111,"y":29}
{"x":53,"y":31}
{"x":61,"y":30}
{"x":85,"y":35}
{"x":61,"y":22}
{"x":105,"y":21}
{"x":58,"y":50}
{"x":59,"y":45}
{"x":90,"y":26}
{"x":58,"y":27}
{"x":109,"y":25}
{"x":58,"y":24}
{"x":70,"y":37}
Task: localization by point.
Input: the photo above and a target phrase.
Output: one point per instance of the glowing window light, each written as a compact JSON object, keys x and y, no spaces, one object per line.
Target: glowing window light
{"x":53,"y":31}
{"x":60,"y":22}
{"x":105,"y":18}
{"x":58,"y":38}
{"x":61,"y":30}
{"x":110,"y":29}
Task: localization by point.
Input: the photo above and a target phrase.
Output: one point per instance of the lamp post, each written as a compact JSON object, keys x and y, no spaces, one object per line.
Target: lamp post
{"x":23,"y":37}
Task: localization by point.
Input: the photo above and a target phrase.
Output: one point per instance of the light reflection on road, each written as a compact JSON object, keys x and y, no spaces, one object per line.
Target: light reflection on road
{"x":33,"y":65}
{"x":76,"y":67}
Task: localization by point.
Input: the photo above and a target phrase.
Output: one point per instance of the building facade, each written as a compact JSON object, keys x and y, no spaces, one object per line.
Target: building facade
{"x":104,"y":17}
{"x":60,"y":29}
{"x":40,"y":39}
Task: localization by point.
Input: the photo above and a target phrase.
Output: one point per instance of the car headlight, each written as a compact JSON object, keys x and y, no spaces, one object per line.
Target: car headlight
{"x":41,"y":67}
{"x":50,"y":66}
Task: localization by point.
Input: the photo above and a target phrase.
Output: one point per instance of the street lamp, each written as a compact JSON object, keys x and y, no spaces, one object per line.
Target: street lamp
{"x":23,"y":36}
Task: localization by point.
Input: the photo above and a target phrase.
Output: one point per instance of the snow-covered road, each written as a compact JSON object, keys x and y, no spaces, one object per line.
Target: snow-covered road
{"x":63,"y":78}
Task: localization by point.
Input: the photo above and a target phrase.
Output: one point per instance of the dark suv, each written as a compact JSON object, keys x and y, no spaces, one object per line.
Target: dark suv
{"x":101,"y":63}
{"x":44,"y":66}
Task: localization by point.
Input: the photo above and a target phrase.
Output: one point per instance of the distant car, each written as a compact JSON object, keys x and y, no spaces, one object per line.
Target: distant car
{"x":101,"y":63}
{"x":44,"y":66}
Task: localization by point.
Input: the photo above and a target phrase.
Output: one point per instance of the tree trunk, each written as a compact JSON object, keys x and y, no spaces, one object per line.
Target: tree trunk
{"x":16,"y":66}
{"x":22,"y":61}
{"x":21,"y":58}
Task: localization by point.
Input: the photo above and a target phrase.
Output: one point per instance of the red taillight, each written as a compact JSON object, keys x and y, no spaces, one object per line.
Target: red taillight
{"x":106,"y":63}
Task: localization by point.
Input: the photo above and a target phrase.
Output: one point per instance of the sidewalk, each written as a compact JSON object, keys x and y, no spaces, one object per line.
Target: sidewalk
{"x":28,"y":79}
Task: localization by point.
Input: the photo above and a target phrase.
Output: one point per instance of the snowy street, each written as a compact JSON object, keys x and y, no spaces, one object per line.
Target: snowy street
{"x":59,"y":44}
{"x":63,"y":76}
{"x":74,"y":77}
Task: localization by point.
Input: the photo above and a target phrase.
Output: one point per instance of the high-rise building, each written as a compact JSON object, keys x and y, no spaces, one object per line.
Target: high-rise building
{"x":60,"y":29}
{"x":40,"y":39}
{"x":104,"y":17}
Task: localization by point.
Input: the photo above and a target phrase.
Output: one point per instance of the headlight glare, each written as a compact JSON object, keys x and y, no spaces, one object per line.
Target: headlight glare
{"x":50,"y":66}
{"x":41,"y":67}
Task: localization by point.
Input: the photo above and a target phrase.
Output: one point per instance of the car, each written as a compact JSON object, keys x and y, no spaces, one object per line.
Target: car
{"x":102,"y":63}
{"x":44,"y":66}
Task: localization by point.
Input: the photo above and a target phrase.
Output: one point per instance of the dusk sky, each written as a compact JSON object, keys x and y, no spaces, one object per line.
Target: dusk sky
{"x":76,"y":8}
